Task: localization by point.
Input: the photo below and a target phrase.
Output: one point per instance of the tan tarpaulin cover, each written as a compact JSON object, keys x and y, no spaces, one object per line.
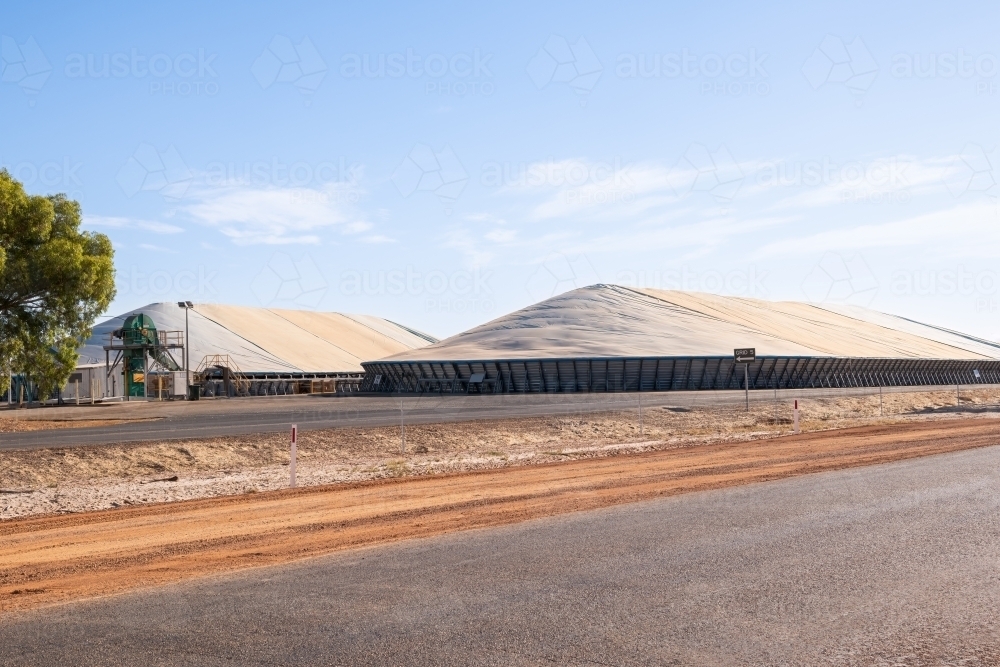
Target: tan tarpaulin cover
{"x":614,"y":321}
{"x":262,"y":339}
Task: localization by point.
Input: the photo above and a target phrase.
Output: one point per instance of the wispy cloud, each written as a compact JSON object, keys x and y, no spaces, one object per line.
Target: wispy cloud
{"x":474,"y":250}
{"x":156,"y":248}
{"x":694,"y":238}
{"x":582,"y":188}
{"x":131,"y":223}
{"x":501,"y":235}
{"x":974,"y":228}
{"x":599,"y":207}
{"x":273,"y":215}
{"x":822,"y":183}
{"x":356,"y":227}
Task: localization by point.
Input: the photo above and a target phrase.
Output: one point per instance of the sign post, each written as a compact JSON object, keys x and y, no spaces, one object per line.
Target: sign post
{"x":291,"y":463}
{"x":745,"y":356}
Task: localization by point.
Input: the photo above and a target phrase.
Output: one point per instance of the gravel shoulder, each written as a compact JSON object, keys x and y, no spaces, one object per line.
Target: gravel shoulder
{"x":50,"y":559}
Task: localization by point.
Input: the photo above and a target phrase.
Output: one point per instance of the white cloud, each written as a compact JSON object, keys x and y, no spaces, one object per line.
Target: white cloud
{"x":356,"y":227}
{"x":156,"y":248}
{"x":884,"y":179}
{"x":473,"y":250}
{"x":131,"y":223}
{"x":972,"y":227}
{"x":612,"y":206}
{"x":594,"y":189}
{"x":589,"y":191}
{"x":698,"y":238}
{"x":597,"y":207}
{"x":501,"y":235}
{"x":277,"y":216}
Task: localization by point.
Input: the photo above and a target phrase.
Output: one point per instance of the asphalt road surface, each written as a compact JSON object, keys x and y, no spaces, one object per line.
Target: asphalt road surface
{"x":885,"y":565}
{"x":221,"y":417}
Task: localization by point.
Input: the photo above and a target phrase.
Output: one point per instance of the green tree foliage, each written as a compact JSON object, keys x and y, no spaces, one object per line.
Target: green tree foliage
{"x":55,"y":280}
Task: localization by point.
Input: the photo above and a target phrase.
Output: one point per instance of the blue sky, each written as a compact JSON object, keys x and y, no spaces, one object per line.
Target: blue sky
{"x":442,"y":165}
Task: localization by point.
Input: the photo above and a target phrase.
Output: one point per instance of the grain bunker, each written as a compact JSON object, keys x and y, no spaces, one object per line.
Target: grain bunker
{"x":609,"y":338}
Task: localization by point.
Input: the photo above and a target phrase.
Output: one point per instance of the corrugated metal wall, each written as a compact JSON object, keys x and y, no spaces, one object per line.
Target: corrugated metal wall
{"x":668,"y":374}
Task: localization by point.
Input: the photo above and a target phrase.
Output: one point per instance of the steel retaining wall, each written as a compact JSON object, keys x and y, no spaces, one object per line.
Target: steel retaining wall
{"x":617,"y":374}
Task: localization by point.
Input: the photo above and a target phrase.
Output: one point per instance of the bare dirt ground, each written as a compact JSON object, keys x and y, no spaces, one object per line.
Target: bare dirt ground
{"x":81,"y":479}
{"x":45,"y":560}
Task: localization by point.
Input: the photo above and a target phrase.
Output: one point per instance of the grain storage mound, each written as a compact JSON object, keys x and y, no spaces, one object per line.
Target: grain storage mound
{"x":271,"y":340}
{"x":613,"y":338}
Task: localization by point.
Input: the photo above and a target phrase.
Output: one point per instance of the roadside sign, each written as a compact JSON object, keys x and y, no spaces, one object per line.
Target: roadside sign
{"x":745,"y":356}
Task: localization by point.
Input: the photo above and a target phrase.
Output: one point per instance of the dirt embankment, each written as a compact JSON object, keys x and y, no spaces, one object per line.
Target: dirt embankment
{"x":51,"y":559}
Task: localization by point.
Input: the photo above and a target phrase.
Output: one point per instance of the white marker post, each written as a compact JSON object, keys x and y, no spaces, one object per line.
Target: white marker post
{"x":795,"y":417}
{"x":291,"y":464}
{"x":640,"y":415}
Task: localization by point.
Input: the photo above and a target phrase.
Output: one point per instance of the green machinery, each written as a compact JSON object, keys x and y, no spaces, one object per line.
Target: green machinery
{"x":142,"y":350}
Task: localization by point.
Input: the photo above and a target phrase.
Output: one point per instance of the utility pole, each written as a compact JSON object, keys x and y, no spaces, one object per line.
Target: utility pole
{"x":186,"y":305}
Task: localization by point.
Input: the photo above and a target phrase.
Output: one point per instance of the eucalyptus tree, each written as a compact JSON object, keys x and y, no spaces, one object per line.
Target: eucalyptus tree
{"x":55,"y":280}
